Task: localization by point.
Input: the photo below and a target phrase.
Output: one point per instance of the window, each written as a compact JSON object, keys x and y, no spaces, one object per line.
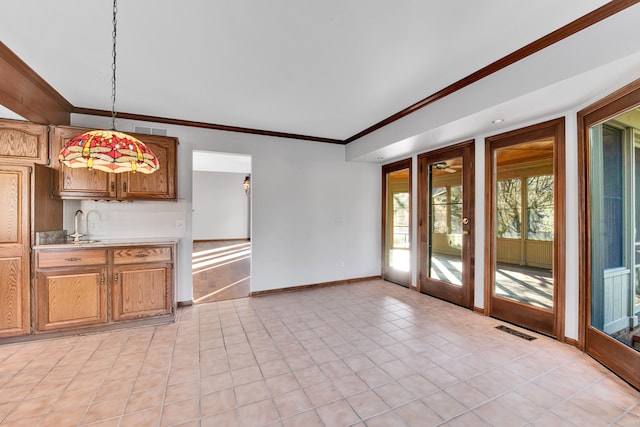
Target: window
{"x":508,"y":208}
{"x":540,"y":207}
{"x":401,"y":220}
{"x":447,"y":210}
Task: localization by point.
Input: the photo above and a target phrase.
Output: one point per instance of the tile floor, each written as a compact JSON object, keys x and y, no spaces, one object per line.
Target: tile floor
{"x":368,"y":354}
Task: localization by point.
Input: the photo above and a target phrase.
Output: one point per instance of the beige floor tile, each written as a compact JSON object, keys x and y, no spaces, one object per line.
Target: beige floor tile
{"x":417,"y":414}
{"x":393,"y":394}
{"x":182,"y":391}
{"x":306,"y":419}
{"x":103,"y":410}
{"x":338,"y":413}
{"x":179,"y":412}
{"x":65,"y":417}
{"x":218,"y":402}
{"x":225,"y":419}
{"x":367,"y":404}
{"x":31,"y":407}
{"x":251,"y":392}
{"x":259,"y":413}
{"x":292,"y":403}
{"x":388,"y":419}
{"x":146,"y":418}
{"x":145,"y":399}
{"x":444,"y":405}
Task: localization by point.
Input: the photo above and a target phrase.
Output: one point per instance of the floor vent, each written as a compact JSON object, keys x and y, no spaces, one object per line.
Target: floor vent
{"x":516,"y":333}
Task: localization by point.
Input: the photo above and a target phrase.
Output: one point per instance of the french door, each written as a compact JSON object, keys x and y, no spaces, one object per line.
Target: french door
{"x":525,"y":217}
{"x":609,"y":161}
{"x":446,"y":221}
{"x":396,"y":222}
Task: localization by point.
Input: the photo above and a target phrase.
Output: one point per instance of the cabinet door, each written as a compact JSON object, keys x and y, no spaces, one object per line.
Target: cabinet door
{"x":141,"y":291}
{"x":71,"y":297}
{"x":22,"y":142}
{"x":162,"y":183}
{"x":78,"y":183}
{"x":14,"y":251}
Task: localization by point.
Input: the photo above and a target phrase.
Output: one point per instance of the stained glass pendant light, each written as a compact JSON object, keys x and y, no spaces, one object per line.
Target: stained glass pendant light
{"x":109,"y":150}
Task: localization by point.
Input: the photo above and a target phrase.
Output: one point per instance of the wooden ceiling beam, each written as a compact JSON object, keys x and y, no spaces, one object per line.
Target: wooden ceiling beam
{"x":25,"y":93}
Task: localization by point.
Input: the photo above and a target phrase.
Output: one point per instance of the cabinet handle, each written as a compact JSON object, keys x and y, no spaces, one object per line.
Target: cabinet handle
{"x":72,"y":259}
{"x":115,"y":278}
{"x":141,"y":255}
{"x":102,"y":279}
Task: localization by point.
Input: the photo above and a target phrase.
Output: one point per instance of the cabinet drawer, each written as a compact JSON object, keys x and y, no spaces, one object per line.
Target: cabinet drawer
{"x":140,"y":255}
{"x":72,"y":258}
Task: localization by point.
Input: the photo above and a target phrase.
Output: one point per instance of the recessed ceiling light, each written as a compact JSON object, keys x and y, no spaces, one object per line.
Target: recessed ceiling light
{"x":496,"y":121}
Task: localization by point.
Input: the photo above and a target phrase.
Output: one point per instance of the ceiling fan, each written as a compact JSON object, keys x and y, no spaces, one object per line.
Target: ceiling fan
{"x":443,"y":166}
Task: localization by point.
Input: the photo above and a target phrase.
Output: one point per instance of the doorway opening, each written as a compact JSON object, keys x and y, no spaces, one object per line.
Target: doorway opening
{"x":221,"y":226}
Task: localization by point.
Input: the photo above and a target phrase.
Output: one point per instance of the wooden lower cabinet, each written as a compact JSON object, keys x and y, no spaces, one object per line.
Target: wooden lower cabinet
{"x":141,"y":291}
{"x":71,"y":297}
{"x":93,"y":286}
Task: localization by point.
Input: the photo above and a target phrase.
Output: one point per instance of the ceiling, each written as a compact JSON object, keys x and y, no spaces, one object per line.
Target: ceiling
{"x":327,"y":69}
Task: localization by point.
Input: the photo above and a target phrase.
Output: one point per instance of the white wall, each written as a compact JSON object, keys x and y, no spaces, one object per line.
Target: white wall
{"x":316,"y":217}
{"x":220,"y":206}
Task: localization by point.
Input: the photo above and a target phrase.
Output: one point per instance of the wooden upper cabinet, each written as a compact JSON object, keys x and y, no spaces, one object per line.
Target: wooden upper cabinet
{"x":23,"y":142}
{"x":81,"y":183}
{"x":162,"y":183}
{"x":77,"y":183}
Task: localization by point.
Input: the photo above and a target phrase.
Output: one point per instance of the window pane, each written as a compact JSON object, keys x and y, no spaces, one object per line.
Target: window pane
{"x":540,"y":207}
{"x":439,"y":206}
{"x":456,"y":209}
{"x":612,"y":206}
{"x":508,"y":204}
{"x":401,"y":220}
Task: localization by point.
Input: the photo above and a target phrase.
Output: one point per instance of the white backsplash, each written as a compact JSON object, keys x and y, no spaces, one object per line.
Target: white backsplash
{"x":116,"y":220}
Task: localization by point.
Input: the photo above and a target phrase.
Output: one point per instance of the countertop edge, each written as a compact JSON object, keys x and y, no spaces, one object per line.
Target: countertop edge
{"x":108,"y":243}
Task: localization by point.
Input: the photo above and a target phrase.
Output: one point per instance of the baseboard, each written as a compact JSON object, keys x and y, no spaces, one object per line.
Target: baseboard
{"x":315,"y":285}
{"x":238,"y":239}
{"x":184,"y":303}
{"x":478,"y":310}
{"x":572,"y":342}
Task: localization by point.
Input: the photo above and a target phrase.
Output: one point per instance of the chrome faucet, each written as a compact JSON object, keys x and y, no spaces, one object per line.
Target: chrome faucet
{"x":76,"y":236}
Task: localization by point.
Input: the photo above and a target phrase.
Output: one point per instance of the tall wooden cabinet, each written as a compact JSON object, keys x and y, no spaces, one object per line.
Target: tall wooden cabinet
{"x":14,"y":250}
{"x":81,"y":183}
{"x":24,"y":186}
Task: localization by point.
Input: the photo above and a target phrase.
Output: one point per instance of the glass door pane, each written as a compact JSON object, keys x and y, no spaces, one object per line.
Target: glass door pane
{"x":524,"y":222}
{"x":445,"y":225}
{"x":397,"y":222}
{"x":615,"y":225}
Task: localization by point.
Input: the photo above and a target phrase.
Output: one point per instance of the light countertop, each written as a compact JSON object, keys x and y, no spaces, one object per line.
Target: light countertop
{"x":106,"y":243}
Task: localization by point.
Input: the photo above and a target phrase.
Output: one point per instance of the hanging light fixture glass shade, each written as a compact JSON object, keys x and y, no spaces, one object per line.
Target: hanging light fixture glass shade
{"x":109,"y":151}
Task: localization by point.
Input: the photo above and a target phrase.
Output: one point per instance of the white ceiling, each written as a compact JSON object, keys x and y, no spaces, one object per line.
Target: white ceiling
{"x":327,"y":68}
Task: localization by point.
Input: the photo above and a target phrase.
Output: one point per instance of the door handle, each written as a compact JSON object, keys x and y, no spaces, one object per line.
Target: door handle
{"x":465,"y":232}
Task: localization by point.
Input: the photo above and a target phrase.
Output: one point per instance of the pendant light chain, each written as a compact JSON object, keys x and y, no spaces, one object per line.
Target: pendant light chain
{"x":113,"y":67}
